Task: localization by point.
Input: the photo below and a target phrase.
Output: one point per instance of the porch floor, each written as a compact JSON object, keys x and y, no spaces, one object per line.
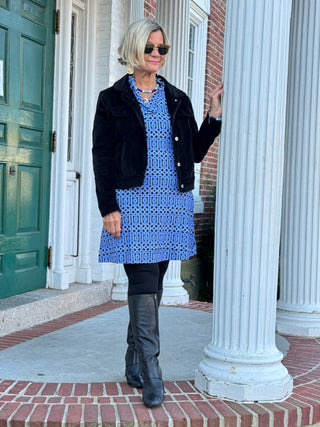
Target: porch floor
{"x":53,"y":375}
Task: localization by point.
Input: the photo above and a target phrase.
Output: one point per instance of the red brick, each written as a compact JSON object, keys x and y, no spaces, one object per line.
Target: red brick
{"x":6,"y":411}
{"x":125,"y":414}
{"x":230,"y":418}
{"x":86,"y":400}
{"x":55,"y":400}
{"x":5,"y":385}
{"x":90,"y":414}
{"x":185,"y":386}
{"x":39,"y":399}
{"x":278,"y":414}
{"x":111,"y":389}
{"x":160,"y":416}
{"x":56,"y":415}
{"x":171,"y":387}
{"x":96,"y":389}
{"x":292,"y":412}
{"x":210,"y":413}
{"x":196,"y":418}
{"x":74,"y":415}
{"x":18,"y":387}
{"x":176,"y":413}
{"x":142,"y":414}
{"x":19,"y":418}
{"x":263,"y":414}
{"x":65,"y":390}
{"x":23,"y":399}
{"x":39,"y":415}
{"x":126,"y":389}
{"x":71,"y":400}
{"x":108,"y":416}
{"x":103,"y":400}
{"x":305,"y":409}
{"x":81,"y":390}
{"x":33,"y":389}
{"x":50,"y":389}
{"x":120,"y":399}
{"x":246,"y":416}
{"x":7,"y":398}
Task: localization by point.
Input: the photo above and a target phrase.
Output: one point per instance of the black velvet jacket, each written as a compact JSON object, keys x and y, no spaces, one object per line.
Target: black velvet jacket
{"x":120,"y":146}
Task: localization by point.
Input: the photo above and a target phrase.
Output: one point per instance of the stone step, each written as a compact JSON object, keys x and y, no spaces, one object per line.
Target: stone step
{"x":33,"y":308}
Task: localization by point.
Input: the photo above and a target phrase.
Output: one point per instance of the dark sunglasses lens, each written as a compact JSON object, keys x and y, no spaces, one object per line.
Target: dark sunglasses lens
{"x":163,"y":50}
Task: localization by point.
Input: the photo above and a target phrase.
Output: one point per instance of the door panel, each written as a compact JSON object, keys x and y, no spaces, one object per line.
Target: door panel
{"x":26,"y":71}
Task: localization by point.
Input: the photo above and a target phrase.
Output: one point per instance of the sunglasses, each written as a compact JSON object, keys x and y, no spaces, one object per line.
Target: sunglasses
{"x":163,"y":49}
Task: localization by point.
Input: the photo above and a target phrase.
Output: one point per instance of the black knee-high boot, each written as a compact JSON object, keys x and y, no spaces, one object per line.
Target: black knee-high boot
{"x":132,"y":362}
{"x":132,"y":371}
{"x":145,"y":326}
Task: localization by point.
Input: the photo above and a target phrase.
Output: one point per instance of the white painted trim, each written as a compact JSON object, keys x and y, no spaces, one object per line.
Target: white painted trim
{"x":203,"y":4}
{"x":199,"y":19}
{"x":57,"y":276}
{"x":84,"y":271}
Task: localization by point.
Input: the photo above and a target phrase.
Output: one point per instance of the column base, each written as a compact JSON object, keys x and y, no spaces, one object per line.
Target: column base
{"x":244,"y":381}
{"x":84,"y":275}
{"x":298,"y":323}
{"x":58,"y":279}
{"x":174,"y":296}
{"x":119,"y":292}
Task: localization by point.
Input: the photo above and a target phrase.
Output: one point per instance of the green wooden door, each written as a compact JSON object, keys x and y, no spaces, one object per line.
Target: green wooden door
{"x":26,"y":97}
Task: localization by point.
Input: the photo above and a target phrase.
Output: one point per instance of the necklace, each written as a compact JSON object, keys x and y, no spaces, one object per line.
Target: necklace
{"x":149,"y":91}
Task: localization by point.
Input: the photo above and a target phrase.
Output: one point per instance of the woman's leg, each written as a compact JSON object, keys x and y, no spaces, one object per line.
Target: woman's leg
{"x":143,"y":300}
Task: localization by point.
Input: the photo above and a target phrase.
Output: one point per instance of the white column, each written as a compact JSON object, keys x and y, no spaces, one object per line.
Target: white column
{"x":136,"y":10}
{"x":120,"y":284}
{"x":174,"y":17}
{"x":173,"y":290}
{"x":299,"y":304}
{"x":58,"y":276}
{"x":242,"y":361}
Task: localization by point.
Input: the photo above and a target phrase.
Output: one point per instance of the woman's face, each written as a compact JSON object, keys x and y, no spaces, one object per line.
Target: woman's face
{"x":153,"y":61}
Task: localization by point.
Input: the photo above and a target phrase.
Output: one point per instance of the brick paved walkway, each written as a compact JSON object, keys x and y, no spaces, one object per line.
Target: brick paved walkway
{"x":38,"y":404}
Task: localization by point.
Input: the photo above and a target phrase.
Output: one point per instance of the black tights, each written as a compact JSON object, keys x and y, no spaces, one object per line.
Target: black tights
{"x":145,"y":278}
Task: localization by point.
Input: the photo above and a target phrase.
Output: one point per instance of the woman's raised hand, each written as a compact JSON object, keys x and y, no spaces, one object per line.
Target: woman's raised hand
{"x":215,"y":101}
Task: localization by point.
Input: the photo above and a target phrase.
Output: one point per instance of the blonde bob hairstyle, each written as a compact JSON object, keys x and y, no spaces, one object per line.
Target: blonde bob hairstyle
{"x":131,"y":49}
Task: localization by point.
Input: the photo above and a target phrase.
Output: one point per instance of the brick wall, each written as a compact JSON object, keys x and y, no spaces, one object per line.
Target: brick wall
{"x":150,"y":8}
{"x":204,"y":221}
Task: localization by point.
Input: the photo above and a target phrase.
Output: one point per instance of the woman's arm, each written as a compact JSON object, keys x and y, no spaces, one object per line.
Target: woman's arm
{"x":103,"y":159}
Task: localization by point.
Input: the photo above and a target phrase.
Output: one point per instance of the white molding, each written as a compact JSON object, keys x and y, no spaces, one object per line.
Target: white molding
{"x":203,"y":5}
{"x":200,"y":20}
{"x":84,"y":269}
{"x":58,"y":277}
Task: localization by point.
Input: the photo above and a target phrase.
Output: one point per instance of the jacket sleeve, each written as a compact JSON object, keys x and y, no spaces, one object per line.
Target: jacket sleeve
{"x":204,"y":137}
{"x":103,"y":158}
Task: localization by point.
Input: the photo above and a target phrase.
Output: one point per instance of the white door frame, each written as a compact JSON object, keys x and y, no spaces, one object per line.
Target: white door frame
{"x":58,"y":275}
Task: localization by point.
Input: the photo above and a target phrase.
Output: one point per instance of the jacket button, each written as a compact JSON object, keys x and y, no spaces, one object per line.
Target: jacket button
{"x":176,"y":138}
{"x":178,"y":164}
{"x":182,"y":185}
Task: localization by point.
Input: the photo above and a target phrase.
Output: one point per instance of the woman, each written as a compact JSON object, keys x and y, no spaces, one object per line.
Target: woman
{"x":145,"y":143}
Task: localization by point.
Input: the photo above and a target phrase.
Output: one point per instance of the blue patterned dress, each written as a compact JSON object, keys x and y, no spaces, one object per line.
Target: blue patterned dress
{"x":156,"y":218}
